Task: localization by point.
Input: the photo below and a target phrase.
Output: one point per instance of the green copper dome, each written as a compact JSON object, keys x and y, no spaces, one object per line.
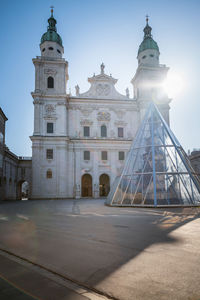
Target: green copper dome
{"x":51,"y":34}
{"x":148,"y":42}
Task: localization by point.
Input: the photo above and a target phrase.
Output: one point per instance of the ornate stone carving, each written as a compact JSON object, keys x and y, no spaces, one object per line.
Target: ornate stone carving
{"x":38,"y":102}
{"x":120,"y":123}
{"x":50,"y":109}
{"x":86,"y":122}
{"x":50,"y":71}
{"x":103,"y":116}
{"x":86,"y":111}
{"x":103,"y":89}
{"x":61,"y":103}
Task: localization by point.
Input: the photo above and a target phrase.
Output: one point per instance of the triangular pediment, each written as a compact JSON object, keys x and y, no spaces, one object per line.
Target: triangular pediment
{"x":102,"y":87}
{"x":102,"y":77}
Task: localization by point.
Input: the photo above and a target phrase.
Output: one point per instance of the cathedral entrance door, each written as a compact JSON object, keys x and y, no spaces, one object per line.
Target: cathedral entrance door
{"x":86,"y":186}
{"x":104,"y":185}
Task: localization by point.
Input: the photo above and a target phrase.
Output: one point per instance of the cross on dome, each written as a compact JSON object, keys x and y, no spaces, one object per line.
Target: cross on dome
{"x":147,"y":19}
{"x":52,"y":7}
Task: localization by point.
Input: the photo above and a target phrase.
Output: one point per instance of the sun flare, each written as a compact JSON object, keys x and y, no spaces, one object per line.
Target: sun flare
{"x":174,"y":84}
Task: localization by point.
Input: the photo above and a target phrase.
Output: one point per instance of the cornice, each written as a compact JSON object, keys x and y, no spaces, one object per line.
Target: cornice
{"x":82,"y":140}
{"x":48,"y":138}
{"x":41,"y":95}
{"x":40,"y":60}
{"x":99,"y":100}
{"x":142,"y":68}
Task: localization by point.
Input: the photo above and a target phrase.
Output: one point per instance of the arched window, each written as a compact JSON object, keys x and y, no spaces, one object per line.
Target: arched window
{"x":50,"y":82}
{"x":49,"y":174}
{"x":103,"y":131}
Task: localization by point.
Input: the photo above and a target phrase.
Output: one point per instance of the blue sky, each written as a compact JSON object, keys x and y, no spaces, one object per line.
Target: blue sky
{"x":94,"y":31}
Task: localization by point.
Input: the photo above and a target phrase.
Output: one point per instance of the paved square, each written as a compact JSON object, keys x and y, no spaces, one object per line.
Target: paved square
{"x":127,"y":253}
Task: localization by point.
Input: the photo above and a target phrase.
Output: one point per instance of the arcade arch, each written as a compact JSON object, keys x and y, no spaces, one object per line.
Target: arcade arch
{"x":22,"y":190}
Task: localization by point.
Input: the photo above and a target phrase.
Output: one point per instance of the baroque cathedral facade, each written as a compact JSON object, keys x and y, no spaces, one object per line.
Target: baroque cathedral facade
{"x":80,"y":143}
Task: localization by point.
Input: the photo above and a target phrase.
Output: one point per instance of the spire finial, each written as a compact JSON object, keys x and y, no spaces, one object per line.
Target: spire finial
{"x":147,"y":29}
{"x":147,"y":19}
{"x":52,"y":7}
{"x":52,"y":22}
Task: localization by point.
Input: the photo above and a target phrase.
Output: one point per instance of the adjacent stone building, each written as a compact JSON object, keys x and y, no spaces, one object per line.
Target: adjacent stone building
{"x":80,"y":142}
{"x":3,"y":120}
{"x":14,"y":170}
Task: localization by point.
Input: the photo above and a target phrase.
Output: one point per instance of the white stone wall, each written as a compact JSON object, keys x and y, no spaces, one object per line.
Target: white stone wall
{"x":84,"y":112}
{"x":100,"y":105}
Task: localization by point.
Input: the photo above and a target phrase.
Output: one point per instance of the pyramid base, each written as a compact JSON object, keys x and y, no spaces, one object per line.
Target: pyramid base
{"x":151,"y":206}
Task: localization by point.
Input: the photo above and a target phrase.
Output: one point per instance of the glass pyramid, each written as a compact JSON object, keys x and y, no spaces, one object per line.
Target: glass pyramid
{"x":157,"y":171}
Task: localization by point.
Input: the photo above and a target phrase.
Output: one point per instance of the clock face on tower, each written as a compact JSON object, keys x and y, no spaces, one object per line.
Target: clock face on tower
{"x":102,"y":89}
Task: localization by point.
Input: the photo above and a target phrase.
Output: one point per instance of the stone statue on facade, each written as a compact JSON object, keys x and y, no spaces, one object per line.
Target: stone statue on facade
{"x":102,"y":68}
{"x":77,"y":90}
{"x":127,"y":93}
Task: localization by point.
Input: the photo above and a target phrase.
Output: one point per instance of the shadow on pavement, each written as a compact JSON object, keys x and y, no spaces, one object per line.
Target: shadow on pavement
{"x":86,"y":241}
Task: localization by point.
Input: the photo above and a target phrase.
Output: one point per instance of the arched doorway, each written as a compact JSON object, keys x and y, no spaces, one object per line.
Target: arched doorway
{"x":86,"y":185}
{"x":104,"y":185}
{"x":22,"y":190}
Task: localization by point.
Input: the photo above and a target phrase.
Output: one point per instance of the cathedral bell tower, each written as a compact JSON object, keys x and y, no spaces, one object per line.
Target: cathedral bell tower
{"x":50,"y":115}
{"x":150,"y":76}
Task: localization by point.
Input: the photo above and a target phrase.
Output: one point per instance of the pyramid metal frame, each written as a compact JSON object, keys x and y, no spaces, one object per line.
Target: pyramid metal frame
{"x":157,"y":171}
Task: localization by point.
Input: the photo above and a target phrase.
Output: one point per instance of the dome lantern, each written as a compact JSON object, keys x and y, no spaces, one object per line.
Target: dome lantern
{"x":51,"y":34}
{"x":148,"y":42}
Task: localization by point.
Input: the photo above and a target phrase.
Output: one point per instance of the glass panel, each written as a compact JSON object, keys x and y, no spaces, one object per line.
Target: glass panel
{"x":174,"y":180}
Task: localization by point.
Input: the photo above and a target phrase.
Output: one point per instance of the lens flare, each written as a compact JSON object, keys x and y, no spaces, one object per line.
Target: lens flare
{"x":174,"y":84}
